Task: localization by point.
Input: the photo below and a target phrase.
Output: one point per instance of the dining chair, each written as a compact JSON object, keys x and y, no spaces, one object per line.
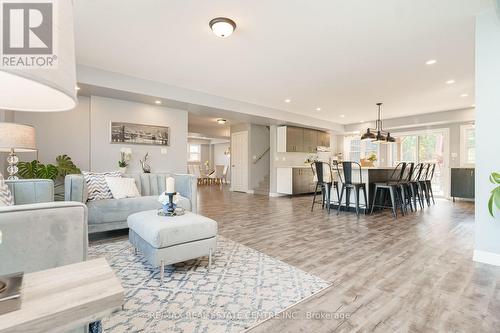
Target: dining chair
{"x":216,"y":176}
{"x":393,"y":187}
{"x":224,"y":173}
{"x":197,"y":172}
{"x":323,"y":175}
{"x":345,"y":175}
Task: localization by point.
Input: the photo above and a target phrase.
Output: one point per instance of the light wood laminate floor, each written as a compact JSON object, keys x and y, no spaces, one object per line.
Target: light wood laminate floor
{"x":413,"y":274}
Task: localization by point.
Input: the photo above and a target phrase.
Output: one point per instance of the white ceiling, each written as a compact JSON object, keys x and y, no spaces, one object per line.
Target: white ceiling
{"x":342,"y":56}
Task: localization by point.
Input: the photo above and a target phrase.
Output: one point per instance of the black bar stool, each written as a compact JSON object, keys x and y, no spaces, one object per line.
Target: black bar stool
{"x":422,"y":184}
{"x":414,"y":186}
{"x":428,"y":182}
{"x":324,"y":180}
{"x":405,"y":186}
{"x":348,"y":184}
{"x":393,"y":187}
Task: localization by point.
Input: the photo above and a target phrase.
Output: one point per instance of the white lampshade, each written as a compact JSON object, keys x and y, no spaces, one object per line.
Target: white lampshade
{"x":45,"y":89}
{"x":17,"y":137}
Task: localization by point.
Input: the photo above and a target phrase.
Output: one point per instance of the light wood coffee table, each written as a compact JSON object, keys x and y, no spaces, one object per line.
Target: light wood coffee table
{"x":65,"y":298}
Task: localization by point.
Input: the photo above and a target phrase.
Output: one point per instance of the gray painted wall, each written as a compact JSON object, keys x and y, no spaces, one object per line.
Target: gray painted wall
{"x":84,"y":134}
{"x":61,"y":133}
{"x":259,"y":142}
{"x":487,"y":235}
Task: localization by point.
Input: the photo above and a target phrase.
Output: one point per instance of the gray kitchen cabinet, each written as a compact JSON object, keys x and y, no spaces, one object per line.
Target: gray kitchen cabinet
{"x":292,"y":139}
{"x":302,"y":181}
{"x":323,"y":139}
{"x":462,"y":183}
{"x":310,"y":140}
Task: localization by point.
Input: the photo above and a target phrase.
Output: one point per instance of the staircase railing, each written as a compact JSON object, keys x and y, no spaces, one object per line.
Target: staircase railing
{"x":261,"y":155}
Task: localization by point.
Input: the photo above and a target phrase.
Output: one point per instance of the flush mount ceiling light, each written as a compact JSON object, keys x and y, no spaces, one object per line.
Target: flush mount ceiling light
{"x":288,"y":100}
{"x":378,"y":135}
{"x":158,"y":102}
{"x":431,"y":62}
{"x":464,"y":95}
{"x":221,"y":121}
{"x":450,"y":81}
{"x":222,"y":26}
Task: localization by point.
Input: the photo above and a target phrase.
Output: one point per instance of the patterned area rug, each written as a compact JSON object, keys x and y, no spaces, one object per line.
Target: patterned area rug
{"x":243,"y":287}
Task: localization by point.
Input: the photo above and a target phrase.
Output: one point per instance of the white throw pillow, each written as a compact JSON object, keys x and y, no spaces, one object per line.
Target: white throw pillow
{"x":5,"y":195}
{"x":122,"y":187}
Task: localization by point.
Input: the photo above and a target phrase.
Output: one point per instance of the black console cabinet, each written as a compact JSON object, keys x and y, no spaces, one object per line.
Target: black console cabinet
{"x":462,"y":183}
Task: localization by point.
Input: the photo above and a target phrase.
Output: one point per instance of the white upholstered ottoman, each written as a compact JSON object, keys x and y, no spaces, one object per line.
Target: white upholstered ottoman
{"x":167,"y":240}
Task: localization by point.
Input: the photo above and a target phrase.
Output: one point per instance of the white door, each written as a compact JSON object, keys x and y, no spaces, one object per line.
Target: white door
{"x":239,"y":161}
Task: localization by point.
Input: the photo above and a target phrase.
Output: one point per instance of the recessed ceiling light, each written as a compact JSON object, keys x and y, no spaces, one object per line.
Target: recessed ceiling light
{"x":431,"y":62}
{"x":288,"y":100}
{"x":450,"y":81}
{"x":318,"y":109}
{"x":158,"y":102}
{"x":361,"y":121}
{"x":77,"y":88}
{"x":342,"y":116}
{"x":222,"y":26}
{"x":464,"y":95}
{"x":473,"y":105}
{"x":221,"y":121}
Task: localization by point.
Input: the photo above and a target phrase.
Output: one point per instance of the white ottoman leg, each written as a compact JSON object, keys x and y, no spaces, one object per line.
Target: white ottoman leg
{"x":209,"y":258}
{"x":162,"y":272}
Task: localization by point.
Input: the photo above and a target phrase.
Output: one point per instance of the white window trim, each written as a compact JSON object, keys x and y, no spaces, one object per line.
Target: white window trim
{"x":463,"y":151}
{"x":189,"y":152}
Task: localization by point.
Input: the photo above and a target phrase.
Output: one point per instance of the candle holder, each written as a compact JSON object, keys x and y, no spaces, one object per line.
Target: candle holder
{"x":170,"y":207}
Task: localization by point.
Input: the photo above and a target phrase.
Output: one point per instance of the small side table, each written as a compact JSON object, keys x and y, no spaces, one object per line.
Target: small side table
{"x":64,"y":298}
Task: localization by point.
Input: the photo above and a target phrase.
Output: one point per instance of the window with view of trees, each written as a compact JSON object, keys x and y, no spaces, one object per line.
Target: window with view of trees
{"x":423,"y":147}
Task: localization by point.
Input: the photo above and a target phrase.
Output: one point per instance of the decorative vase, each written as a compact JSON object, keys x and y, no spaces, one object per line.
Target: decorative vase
{"x":123,"y":170}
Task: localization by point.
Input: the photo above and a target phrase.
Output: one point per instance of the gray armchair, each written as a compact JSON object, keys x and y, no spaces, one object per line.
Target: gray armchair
{"x":38,"y":233}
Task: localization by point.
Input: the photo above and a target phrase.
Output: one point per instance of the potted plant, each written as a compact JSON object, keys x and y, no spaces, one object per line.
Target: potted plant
{"x":310,"y":159}
{"x":369,"y":161}
{"x":495,"y":193}
{"x":36,"y":170}
{"x":125,"y":155}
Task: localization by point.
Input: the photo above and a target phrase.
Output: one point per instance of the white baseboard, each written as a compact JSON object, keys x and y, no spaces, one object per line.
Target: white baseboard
{"x":487,"y":257}
{"x":277,"y":195}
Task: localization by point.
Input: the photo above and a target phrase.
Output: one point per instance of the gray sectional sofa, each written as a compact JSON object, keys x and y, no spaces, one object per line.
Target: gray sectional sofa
{"x":111,"y":214}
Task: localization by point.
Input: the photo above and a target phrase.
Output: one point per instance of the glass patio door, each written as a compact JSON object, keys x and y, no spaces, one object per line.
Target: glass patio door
{"x":427,"y":147}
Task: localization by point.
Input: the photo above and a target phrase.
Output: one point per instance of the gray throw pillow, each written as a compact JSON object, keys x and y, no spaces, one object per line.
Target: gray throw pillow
{"x":97,"y":187}
{"x":6,"y":198}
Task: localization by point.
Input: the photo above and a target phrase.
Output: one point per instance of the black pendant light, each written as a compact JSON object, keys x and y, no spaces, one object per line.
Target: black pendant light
{"x":378,"y":135}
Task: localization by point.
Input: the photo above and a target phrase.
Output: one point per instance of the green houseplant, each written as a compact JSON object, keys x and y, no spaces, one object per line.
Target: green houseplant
{"x":495,"y":193}
{"x":36,"y":170}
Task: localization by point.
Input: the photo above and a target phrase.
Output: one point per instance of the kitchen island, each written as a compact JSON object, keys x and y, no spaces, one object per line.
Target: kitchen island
{"x":300,"y":180}
{"x":369,"y":176}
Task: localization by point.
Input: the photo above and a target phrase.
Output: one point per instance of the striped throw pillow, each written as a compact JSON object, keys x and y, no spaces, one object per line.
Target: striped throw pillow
{"x":97,"y":187}
{"x":6,"y":198}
